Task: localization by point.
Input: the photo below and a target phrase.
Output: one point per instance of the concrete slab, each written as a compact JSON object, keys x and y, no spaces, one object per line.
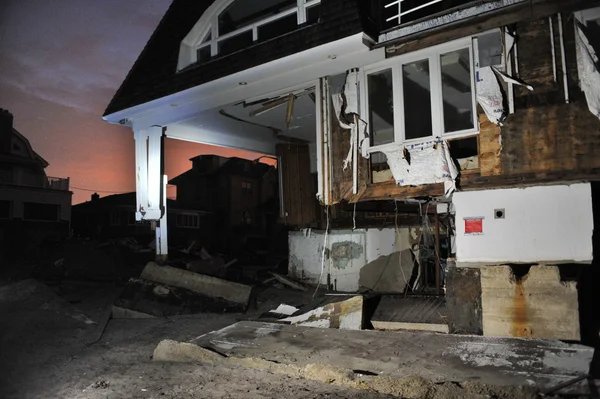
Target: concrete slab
{"x":438,"y":357}
{"x":347,"y":315}
{"x":199,"y":283}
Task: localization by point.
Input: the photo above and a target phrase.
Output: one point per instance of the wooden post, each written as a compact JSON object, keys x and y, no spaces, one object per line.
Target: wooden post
{"x":437,"y":253}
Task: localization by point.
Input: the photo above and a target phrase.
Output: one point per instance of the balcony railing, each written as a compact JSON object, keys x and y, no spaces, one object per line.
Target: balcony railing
{"x":33,"y":180}
{"x":398,"y":18}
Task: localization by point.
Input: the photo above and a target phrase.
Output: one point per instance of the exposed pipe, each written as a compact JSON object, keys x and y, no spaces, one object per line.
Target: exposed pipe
{"x":563,"y":58}
{"x":553,"y":48}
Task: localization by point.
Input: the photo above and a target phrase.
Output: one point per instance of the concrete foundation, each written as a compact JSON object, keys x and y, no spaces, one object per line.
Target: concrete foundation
{"x":536,"y":305}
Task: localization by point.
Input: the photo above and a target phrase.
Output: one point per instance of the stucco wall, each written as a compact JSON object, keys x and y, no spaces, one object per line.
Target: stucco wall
{"x":540,"y":224}
{"x":347,"y":252}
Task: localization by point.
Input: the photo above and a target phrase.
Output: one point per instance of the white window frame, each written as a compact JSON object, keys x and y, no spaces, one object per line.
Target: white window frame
{"x":300,"y":10}
{"x":586,"y":15}
{"x":433,"y":55}
{"x":194,"y":216}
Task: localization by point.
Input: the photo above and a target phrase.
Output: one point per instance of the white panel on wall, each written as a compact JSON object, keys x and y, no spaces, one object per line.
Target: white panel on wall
{"x":349,"y":251}
{"x":525,"y":225}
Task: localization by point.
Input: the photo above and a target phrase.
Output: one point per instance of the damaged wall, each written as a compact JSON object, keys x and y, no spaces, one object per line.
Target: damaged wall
{"x":346,"y":254}
{"x":537,"y":224}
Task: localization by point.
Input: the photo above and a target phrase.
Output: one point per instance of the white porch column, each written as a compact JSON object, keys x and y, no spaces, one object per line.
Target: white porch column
{"x":162,"y":243}
{"x":151,"y":184}
{"x":148,"y":169}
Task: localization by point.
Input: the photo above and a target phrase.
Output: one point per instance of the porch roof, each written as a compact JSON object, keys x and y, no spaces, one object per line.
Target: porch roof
{"x":154,"y":76}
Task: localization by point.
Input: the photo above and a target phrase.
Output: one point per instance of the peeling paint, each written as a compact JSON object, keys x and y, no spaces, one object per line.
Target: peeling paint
{"x":342,"y":253}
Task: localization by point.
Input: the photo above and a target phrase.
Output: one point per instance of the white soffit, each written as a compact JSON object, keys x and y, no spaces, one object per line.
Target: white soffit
{"x":301,"y":68}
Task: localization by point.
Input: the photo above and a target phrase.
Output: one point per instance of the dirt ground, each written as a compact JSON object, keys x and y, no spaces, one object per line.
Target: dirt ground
{"x":45,"y":352}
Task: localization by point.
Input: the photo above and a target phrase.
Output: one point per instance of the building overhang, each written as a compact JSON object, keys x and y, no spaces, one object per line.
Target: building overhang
{"x":297,"y":69}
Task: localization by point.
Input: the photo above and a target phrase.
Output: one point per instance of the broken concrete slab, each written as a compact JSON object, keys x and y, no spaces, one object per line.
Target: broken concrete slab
{"x":438,"y":357}
{"x":198,"y":283}
{"x":536,"y":305}
{"x":416,"y":313}
{"x":388,"y":274}
{"x":346,"y":315}
{"x":145,"y":299}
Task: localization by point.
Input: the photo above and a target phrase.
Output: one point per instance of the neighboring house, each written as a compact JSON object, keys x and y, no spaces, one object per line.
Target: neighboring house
{"x":33,"y":206}
{"x":240,"y":195}
{"x":473,"y":112}
{"x":113,"y":217}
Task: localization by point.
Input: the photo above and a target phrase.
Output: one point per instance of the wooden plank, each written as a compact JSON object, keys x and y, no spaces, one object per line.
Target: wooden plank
{"x":390,"y":190}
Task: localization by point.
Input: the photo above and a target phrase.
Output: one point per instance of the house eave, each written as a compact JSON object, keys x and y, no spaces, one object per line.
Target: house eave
{"x":260,"y":80}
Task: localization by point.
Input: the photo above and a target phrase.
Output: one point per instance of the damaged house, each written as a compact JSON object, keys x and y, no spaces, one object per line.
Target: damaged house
{"x":438,"y":147}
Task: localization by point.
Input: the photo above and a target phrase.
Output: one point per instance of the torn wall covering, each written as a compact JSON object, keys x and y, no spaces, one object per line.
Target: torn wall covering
{"x":589,"y":77}
{"x":345,"y":105}
{"x":426,"y":163}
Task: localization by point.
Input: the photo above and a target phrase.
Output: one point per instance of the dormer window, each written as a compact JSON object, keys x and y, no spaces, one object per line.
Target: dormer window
{"x":230,"y":26}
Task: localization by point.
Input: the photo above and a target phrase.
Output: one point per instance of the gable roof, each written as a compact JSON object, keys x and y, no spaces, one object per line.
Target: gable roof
{"x":154,"y":73}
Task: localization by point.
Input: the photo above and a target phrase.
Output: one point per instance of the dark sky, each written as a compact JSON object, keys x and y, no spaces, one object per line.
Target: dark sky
{"x":61,"y":61}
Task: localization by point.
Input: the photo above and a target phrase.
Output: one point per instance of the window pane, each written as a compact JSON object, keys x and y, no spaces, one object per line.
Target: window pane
{"x":236,"y":43}
{"x":4,"y":209}
{"x":417,"y":100}
{"x":381,"y":107}
{"x":313,"y":14}
{"x":245,"y":12}
{"x":278,"y":27}
{"x":203,"y":54}
{"x":207,"y":38}
{"x":490,"y":49}
{"x":46,"y":212}
{"x":456,"y":90}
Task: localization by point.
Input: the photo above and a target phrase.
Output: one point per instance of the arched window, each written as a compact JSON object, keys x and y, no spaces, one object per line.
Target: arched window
{"x":229,"y":26}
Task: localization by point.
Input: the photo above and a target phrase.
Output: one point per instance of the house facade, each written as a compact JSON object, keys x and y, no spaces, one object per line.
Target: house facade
{"x":33,"y":206}
{"x":462,"y":131}
{"x":240,"y":197}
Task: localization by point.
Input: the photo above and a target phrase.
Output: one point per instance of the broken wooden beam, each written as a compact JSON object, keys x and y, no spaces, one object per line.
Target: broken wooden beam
{"x":288,"y":282}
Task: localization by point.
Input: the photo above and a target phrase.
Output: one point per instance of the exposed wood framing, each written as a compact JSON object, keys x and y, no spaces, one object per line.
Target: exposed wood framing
{"x":390,"y":190}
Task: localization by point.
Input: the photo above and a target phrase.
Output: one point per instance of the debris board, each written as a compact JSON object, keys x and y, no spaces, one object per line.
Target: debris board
{"x":159,"y":300}
{"x":389,"y":273}
{"x":346,"y":315}
{"x":198,"y":283}
{"x":424,"y":313}
{"x":288,"y":282}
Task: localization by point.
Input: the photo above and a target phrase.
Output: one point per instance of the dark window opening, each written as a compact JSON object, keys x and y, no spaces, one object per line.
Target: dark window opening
{"x":41,"y":212}
{"x":278,"y":27}
{"x":381,"y":107}
{"x":186,"y":220}
{"x":245,"y":12}
{"x":115,"y":218}
{"x":235,"y":43}
{"x":417,"y":100}
{"x":313,"y":14}
{"x":247,"y":218}
{"x":247,"y":187}
{"x":456,"y":90}
{"x":203,"y":54}
{"x":5,"y":209}
{"x":465,"y":152}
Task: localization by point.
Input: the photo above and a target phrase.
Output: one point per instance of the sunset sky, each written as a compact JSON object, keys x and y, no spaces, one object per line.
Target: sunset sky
{"x":61,"y":61}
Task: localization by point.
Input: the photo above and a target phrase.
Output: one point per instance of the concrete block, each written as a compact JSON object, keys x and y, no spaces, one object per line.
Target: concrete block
{"x":537,"y":305}
{"x":345,"y":315}
{"x":388,"y":274}
{"x":144,"y":298}
{"x":199,"y":283}
{"x":463,"y":300}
